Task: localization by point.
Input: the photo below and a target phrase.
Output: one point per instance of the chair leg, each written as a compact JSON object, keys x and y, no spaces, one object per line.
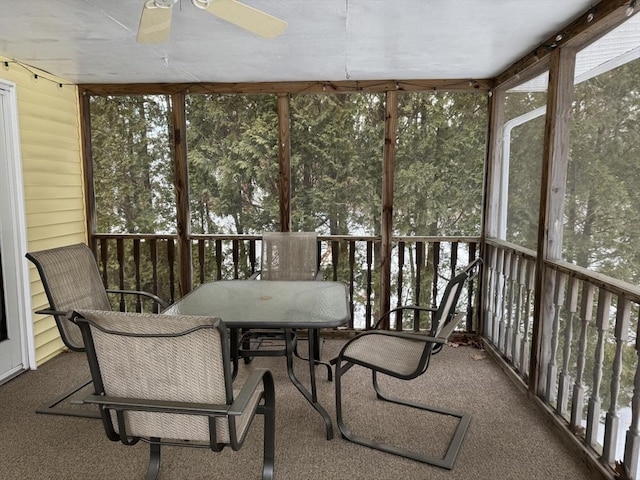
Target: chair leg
{"x":51,"y":408}
{"x":269,"y":410}
{"x":454,"y":445}
{"x":154,"y":459}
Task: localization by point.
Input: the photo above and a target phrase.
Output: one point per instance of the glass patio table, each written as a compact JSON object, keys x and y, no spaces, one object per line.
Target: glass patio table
{"x":276,"y":304}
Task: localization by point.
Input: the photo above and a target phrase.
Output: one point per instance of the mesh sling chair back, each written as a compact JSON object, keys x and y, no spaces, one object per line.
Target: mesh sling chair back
{"x":71,"y":280}
{"x":166,"y":380}
{"x":405,"y":355}
{"x":284,"y":256}
{"x":289,"y":256}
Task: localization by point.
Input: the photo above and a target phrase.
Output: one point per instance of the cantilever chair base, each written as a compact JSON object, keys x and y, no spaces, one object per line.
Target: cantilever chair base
{"x":51,"y":407}
{"x":452,"y":451}
{"x":71,"y":279}
{"x":406,"y":356}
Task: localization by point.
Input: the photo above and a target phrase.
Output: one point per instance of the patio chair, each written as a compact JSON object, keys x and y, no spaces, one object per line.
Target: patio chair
{"x":71,"y":280}
{"x":405,"y":356}
{"x":166,"y":380}
{"x":285,"y":256}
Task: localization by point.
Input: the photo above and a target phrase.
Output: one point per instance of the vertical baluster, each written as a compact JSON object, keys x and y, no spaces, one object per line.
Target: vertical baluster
{"x":400,"y":268}
{"x":514,"y":305}
{"x":509,"y":259}
{"x":252,"y":256}
{"x":436,"y":278}
{"x":218,"y":259}
{"x":520,"y":278}
{"x":104,"y":255}
{"x":352,"y":279}
{"x":525,"y":349}
{"x":234,"y":258}
{"x":571,"y":306}
{"x":552,"y":367}
{"x":201,"y":259}
{"x":602,"y":325}
{"x":335,"y":259}
{"x":153,"y":257}
{"x":586,"y":313}
{"x":434,"y":274}
{"x":623,"y":317}
{"x":499,"y":299}
{"x":489,"y":294}
{"x":454,"y":258}
{"x":120,"y":256}
{"x":368,"y":319}
{"x":172,"y":274}
{"x":471,"y":292}
{"x":368,"y":313}
{"x":136,"y":263}
{"x":418,"y":285}
{"x":632,"y":441}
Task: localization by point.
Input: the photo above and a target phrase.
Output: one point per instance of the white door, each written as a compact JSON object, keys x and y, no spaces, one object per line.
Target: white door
{"x":15,"y":308}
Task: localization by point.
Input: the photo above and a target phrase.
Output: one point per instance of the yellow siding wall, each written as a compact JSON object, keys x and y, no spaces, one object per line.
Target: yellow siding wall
{"x":53,"y":182}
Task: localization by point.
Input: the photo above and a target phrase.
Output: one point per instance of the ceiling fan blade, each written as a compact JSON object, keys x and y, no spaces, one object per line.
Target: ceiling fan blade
{"x":247,"y":17}
{"x":155,"y":24}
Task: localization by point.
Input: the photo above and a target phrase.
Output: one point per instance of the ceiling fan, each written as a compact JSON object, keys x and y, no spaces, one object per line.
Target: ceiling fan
{"x":155,"y":21}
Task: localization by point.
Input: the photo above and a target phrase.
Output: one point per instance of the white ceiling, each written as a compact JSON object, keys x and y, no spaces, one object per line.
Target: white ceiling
{"x":91,"y":41}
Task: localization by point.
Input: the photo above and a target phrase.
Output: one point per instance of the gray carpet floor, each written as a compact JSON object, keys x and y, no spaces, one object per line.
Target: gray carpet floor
{"x":507,"y":438}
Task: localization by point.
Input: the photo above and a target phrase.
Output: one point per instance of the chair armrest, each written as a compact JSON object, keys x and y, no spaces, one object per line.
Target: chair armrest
{"x":408,"y":335}
{"x":48,"y":311}
{"x":250,"y":385}
{"x":151,"y":296}
{"x":403,"y":307}
{"x":161,"y":406}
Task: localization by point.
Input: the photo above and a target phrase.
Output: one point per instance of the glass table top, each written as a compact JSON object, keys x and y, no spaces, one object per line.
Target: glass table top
{"x":268,"y":303}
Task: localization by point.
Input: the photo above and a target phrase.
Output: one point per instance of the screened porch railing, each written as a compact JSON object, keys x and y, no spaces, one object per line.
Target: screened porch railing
{"x":421,"y":266}
{"x":590,"y":375}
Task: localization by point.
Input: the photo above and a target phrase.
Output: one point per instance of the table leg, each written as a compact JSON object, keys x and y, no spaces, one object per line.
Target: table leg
{"x":233,"y":350}
{"x":310,"y":396}
{"x":312,"y":337}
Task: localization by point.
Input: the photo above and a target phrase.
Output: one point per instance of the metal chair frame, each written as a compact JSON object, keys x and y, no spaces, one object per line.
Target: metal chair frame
{"x":234,"y":406}
{"x":444,"y":322}
{"x":51,"y":266}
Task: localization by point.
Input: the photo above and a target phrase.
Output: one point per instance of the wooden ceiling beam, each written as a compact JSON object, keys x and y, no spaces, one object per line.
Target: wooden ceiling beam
{"x":345,"y":86}
{"x":588,"y":27}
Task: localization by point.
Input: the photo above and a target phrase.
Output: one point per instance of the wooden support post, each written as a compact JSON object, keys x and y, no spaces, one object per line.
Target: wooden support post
{"x":550,"y":223}
{"x":492,"y":176}
{"x":386,"y":230}
{"x":284,"y":157}
{"x":87,"y":163}
{"x":493,"y":164}
{"x":181,"y":183}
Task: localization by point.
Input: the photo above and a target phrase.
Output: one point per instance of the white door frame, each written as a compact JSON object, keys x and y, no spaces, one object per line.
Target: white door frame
{"x":13,"y":239}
